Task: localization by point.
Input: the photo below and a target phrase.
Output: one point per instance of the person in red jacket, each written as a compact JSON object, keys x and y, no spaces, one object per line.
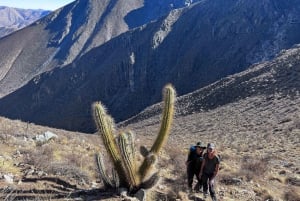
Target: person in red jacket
{"x":209,"y":170}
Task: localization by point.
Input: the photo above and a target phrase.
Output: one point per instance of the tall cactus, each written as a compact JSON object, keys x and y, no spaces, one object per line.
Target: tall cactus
{"x":168,"y":113}
{"x":121,"y":148}
{"x":105,"y":125}
{"x":167,"y":118}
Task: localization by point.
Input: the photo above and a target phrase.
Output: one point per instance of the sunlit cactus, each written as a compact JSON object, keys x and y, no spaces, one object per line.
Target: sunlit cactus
{"x":121,"y":148}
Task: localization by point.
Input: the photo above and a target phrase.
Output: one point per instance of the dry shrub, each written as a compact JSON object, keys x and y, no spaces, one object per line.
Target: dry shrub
{"x":297,"y":123}
{"x":40,"y":157}
{"x":230,"y":179}
{"x":263,"y":194}
{"x":176,"y":163}
{"x":74,"y":159}
{"x":66,"y":170}
{"x":293,"y":181}
{"x":292,"y":195}
{"x":254,"y":167}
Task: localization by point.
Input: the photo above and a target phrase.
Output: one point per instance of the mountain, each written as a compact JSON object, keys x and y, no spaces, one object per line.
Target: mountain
{"x":190,"y":47}
{"x":13,"y":19}
{"x":256,"y":89}
{"x":68,"y":33}
{"x":252,"y":117}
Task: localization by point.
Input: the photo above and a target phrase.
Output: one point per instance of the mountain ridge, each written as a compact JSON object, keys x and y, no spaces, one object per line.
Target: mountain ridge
{"x":13,"y":19}
{"x":64,"y":36}
{"x":191,"y":48}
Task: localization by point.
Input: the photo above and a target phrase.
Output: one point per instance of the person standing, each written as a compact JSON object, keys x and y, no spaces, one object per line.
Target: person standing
{"x":193,"y":163}
{"x":209,"y":170}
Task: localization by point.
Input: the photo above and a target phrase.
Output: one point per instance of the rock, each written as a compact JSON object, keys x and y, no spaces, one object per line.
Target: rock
{"x":8,"y":178}
{"x":231,"y":181}
{"x":123,"y":192}
{"x":41,"y":173}
{"x":45,"y":137}
{"x":94,"y":185}
{"x":141,"y":195}
{"x":29,"y":172}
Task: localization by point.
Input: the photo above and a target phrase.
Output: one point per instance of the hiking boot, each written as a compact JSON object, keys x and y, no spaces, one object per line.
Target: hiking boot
{"x":214,"y":198}
{"x":198,"y":188}
{"x":205,"y":195}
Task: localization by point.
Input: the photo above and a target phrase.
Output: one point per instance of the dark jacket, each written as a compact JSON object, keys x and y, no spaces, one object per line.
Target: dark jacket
{"x":194,"y":159}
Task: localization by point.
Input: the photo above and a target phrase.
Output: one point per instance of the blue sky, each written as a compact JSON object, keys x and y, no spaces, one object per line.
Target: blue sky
{"x":35,"y":4}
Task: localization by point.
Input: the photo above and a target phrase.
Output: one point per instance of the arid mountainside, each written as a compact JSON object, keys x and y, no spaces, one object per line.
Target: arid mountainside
{"x":253,"y":117}
{"x":68,"y":33}
{"x":190,"y":47}
{"x":12,"y":19}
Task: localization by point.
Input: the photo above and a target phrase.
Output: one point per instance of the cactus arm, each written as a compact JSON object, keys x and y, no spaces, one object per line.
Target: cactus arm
{"x":125,"y":141}
{"x":105,"y":126}
{"x":152,"y":181}
{"x":106,"y":180}
{"x":115,"y":179}
{"x":167,"y":118}
{"x":144,"y":151}
{"x":105,"y":129}
{"x":148,"y":162}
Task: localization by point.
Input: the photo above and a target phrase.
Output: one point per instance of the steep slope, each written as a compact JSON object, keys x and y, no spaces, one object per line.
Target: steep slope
{"x":190,"y":48}
{"x":256,"y":129}
{"x":12,"y":19}
{"x":69,"y":33}
{"x":272,"y":82}
{"x":253,"y":118}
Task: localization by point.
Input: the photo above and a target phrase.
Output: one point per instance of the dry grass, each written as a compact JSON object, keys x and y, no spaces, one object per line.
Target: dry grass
{"x":258,"y":148}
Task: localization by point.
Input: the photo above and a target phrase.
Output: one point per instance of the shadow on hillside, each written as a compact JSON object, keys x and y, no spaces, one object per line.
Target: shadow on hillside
{"x":93,"y":194}
{"x":8,"y":193}
{"x":48,"y":188}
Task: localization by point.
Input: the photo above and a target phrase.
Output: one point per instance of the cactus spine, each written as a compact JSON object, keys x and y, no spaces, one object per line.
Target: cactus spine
{"x":122,"y":151}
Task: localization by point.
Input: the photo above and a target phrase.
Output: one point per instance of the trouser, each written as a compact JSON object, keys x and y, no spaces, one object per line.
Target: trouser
{"x":208,"y":181}
{"x":191,"y":171}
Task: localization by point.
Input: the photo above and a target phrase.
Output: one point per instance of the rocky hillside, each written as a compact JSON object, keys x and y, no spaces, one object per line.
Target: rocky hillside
{"x":68,"y":33}
{"x":190,"y":47}
{"x":12,"y":19}
{"x":252,"y":117}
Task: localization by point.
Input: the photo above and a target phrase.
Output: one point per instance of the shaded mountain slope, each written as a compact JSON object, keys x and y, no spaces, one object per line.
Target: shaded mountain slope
{"x":190,"y":48}
{"x":68,"y":33}
{"x":276,"y":81}
{"x":12,"y":19}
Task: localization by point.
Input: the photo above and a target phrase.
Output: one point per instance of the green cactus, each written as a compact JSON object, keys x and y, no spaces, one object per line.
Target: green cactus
{"x":105,"y":125}
{"x":126,"y":143}
{"x":168,"y":113}
{"x":108,"y":182}
{"x":122,"y":152}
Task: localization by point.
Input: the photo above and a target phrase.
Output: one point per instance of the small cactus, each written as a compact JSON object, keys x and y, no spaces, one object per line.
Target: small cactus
{"x":122,"y":151}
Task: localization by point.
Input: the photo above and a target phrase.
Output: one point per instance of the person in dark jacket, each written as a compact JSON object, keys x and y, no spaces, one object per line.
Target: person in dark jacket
{"x":193,"y":164}
{"x":209,"y":170}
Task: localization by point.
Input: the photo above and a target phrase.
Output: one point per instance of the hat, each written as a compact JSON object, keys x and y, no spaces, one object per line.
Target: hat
{"x":201,"y":145}
{"x":211,"y":146}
